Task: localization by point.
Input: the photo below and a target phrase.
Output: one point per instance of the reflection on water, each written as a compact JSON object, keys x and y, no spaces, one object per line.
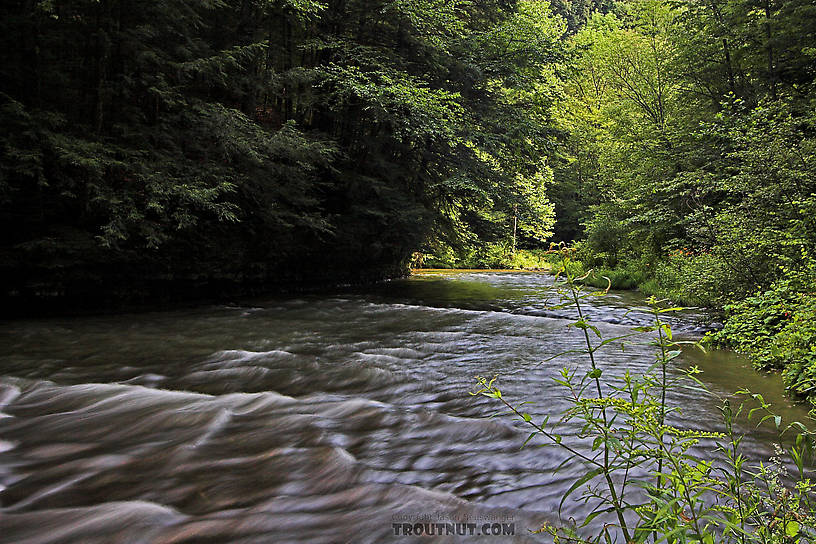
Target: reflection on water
{"x":313,"y":419}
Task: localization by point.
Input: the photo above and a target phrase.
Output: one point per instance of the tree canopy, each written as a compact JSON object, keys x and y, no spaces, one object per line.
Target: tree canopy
{"x":256,"y":141}
{"x":253,"y":142}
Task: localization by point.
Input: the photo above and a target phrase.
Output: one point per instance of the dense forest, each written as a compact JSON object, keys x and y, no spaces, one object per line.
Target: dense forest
{"x":154,"y":149}
{"x":195,"y":150}
{"x":165,"y":146}
{"x":688,"y":165}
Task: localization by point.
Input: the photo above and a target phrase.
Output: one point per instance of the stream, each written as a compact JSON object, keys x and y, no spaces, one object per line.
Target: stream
{"x":322,"y":418}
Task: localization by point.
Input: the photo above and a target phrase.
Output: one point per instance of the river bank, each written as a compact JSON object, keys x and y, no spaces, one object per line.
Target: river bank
{"x":134,"y":290}
{"x":774,"y":327}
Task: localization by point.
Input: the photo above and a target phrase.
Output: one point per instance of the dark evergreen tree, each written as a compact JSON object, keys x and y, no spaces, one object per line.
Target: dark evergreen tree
{"x":247,"y":142}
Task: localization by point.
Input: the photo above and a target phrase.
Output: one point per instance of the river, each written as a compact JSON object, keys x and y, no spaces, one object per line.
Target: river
{"x":317,"y":418}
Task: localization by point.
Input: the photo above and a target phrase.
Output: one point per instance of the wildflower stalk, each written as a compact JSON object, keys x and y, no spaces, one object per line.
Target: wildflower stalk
{"x":596,"y":376}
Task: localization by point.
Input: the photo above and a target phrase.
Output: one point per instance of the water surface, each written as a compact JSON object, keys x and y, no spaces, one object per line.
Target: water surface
{"x":322,"y":418}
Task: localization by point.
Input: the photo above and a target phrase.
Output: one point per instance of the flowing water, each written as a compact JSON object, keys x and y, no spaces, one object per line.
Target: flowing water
{"x":313,"y":419}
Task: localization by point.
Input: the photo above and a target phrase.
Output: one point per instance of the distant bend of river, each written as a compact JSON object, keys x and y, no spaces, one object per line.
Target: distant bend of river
{"x":328,"y":418}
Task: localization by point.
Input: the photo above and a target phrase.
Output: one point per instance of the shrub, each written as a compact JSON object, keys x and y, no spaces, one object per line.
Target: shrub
{"x":498,"y":255}
{"x":696,"y":279}
{"x":776,"y":329}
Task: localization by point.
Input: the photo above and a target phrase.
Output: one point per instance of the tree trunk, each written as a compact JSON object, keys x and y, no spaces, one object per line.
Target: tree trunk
{"x":515,"y":226}
{"x":769,"y":46}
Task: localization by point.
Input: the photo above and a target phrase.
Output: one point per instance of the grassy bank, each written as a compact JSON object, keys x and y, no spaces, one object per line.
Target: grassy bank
{"x":683,"y":278}
{"x":490,"y":256}
{"x":776,"y":328}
